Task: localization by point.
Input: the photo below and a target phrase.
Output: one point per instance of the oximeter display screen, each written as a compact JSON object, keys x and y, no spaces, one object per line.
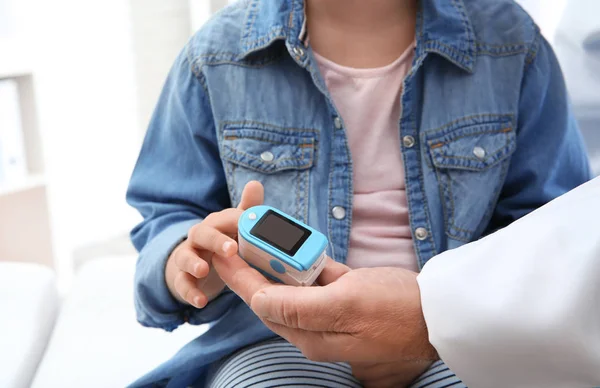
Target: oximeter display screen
{"x":280,"y":232}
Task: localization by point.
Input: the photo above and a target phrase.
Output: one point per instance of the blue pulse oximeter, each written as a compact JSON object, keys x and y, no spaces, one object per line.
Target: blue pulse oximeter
{"x":281,"y":247}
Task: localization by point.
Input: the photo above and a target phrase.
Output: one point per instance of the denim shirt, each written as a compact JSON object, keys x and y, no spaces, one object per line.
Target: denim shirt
{"x":487,"y":136}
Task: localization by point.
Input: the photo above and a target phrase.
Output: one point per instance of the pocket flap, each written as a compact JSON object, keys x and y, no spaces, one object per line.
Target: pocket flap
{"x":268,"y":151}
{"x":474,"y":147}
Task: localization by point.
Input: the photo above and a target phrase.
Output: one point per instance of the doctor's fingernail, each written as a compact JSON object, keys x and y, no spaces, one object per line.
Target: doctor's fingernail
{"x":226,"y":246}
{"x":258,"y":304}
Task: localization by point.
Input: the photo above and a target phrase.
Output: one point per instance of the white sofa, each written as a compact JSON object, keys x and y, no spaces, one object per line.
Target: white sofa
{"x":28,"y":308}
{"x":90,"y":339}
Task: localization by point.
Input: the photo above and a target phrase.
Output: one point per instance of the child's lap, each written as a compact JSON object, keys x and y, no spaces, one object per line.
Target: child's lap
{"x":276,"y":363}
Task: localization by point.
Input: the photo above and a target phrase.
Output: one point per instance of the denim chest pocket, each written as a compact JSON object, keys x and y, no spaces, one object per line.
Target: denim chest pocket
{"x":279,"y":158}
{"x":470,"y":159}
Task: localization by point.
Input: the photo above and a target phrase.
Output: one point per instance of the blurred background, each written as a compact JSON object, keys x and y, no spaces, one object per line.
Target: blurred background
{"x":78,"y":83}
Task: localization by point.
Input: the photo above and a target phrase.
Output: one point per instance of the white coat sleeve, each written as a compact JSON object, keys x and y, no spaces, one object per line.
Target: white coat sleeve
{"x":521,"y":307}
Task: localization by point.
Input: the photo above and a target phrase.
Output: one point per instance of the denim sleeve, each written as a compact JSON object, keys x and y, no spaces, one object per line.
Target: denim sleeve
{"x":177,"y":181}
{"x":551,"y":158}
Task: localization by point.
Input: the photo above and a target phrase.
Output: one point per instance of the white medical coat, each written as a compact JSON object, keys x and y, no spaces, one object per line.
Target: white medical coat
{"x":521,"y":307}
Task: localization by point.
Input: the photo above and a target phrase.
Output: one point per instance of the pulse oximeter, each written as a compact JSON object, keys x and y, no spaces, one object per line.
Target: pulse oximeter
{"x":281,"y":247}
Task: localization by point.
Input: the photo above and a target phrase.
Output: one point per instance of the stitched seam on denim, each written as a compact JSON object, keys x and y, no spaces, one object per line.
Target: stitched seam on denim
{"x":291,"y":17}
{"x":428,"y":155}
{"x":227,"y":55}
{"x":501,"y":55}
{"x":267,"y":172}
{"x":472,"y":169}
{"x":460,"y":7}
{"x":433,"y":164}
{"x":470,"y":158}
{"x":486,"y":132}
{"x":520,"y":45}
{"x":422,"y":184}
{"x":458,"y":238}
{"x":487,"y":217}
{"x":535,"y":45}
{"x":442,"y":195}
{"x":489,"y":211}
{"x":229,"y":180}
{"x":349,"y":193}
{"x":299,"y":188}
{"x":276,"y":33}
{"x":196,"y":71}
{"x":252,"y":157}
{"x":419,"y":33}
{"x":262,"y":126}
{"x":302,"y":145}
{"x":330,"y":202}
{"x":241,"y":64}
{"x":452,"y":203}
{"x":233,"y":184}
{"x":463,"y":230}
{"x":309,"y":146}
{"x":306,"y":194}
{"x":421,"y":176}
{"x":467,"y":158}
{"x":250,"y":19}
{"x":426,"y":209}
{"x":483,"y":115}
{"x":505,"y":148}
{"x":298,"y":184}
{"x":452,"y":55}
{"x":216,"y":58}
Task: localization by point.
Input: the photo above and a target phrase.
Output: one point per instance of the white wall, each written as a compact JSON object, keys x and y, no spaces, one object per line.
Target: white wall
{"x":88,"y":118}
{"x":160,"y":30}
{"x":547,"y":14}
{"x":99,"y":68}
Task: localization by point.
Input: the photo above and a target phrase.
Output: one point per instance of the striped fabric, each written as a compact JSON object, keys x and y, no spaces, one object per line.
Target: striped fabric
{"x":277,"y":363}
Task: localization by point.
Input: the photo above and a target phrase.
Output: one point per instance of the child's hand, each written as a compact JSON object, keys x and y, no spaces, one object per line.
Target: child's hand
{"x":188,"y":273}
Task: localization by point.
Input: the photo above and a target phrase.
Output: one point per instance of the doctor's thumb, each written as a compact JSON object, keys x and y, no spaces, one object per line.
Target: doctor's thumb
{"x":294,"y":307}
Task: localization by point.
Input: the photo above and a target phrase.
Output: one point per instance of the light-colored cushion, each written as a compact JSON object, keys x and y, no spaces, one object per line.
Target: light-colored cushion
{"x":97,"y":341}
{"x":28,"y":307}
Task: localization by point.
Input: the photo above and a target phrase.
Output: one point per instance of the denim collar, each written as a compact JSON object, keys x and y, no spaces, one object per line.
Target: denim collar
{"x":443,"y":27}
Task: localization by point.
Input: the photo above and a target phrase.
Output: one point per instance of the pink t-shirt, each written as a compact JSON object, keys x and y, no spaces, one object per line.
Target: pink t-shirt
{"x":369,"y":103}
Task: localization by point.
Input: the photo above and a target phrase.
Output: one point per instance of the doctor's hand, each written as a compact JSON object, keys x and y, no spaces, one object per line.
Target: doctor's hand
{"x":369,"y":317}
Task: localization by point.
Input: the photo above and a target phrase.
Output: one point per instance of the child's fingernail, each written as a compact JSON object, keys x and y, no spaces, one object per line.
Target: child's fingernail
{"x":197,"y":301}
{"x":196,"y":268}
{"x":226,"y":246}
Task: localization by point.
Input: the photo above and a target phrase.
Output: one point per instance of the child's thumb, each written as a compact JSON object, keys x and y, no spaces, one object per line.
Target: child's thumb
{"x":253,"y":195}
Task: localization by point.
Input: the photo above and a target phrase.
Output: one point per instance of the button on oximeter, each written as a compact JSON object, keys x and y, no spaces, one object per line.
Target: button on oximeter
{"x":277,"y":266}
{"x":252,"y":216}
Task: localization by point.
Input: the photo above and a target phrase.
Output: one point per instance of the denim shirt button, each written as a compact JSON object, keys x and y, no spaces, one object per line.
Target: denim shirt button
{"x":479,"y":153}
{"x":298,"y":52}
{"x":267,"y":156}
{"x":338,"y":212}
{"x":421,"y":234}
{"x":408,"y":141}
{"x":337,"y":122}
